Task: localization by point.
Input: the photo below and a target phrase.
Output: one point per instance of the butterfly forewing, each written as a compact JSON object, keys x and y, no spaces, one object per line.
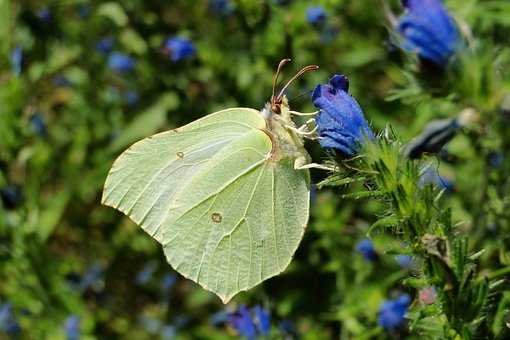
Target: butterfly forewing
{"x":146,"y":177}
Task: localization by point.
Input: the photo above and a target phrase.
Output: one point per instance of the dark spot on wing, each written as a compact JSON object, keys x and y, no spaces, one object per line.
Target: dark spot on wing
{"x":180,"y":155}
{"x":216,"y":217}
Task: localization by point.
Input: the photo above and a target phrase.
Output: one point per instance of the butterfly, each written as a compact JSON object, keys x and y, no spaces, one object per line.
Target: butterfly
{"x":227,"y":196}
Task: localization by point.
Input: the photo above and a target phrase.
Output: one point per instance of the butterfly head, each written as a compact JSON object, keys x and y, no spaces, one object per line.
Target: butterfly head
{"x":279,"y":103}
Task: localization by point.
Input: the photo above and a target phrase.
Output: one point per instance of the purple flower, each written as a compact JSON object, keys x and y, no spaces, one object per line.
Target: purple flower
{"x":428,"y":30}
{"x":105,"y":45}
{"x":72,"y":327}
{"x":392,"y":312}
{"x":366,"y":248}
{"x":121,"y":62}
{"x":316,"y":15}
{"x":179,"y":48}
{"x":242,"y":322}
{"x":341,"y":124}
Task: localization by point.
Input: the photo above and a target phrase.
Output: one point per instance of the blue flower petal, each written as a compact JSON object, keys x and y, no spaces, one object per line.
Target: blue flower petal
{"x":428,"y":30}
{"x":341,"y":124}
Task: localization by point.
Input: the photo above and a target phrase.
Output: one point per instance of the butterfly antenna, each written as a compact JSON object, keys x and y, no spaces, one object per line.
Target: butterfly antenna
{"x":275,"y":78}
{"x":299,"y":74}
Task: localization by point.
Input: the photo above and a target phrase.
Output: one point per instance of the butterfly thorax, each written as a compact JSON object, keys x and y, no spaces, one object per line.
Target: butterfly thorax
{"x":281,"y":128}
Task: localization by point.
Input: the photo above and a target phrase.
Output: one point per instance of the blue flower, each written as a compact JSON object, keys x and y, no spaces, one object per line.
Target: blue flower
{"x":38,"y":124}
{"x":131,"y":97}
{"x":168,"y":281}
{"x":121,"y":62}
{"x":8,"y":322}
{"x":92,"y":278}
{"x":392,"y":312}
{"x":105,"y":45}
{"x":168,"y":332}
{"x":429,"y":30}
{"x":179,"y":48}
{"x":405,"y":261}
{"x":146,"y":274}
{"x":431,"y":176}
{"x":222,"y":7}
{"x":366,"y":248}
{"x":44,"y":14}
{"x":341,"y":124}
{"x":72,"y":327}
{"x":11,"y":196}
{"x":287,"y":327}
{"x":242,"y":322}
{"x":316,"y":15}
{"x":17,"y":60}
{"x":60,"y":80}
{"x":263,"y":320}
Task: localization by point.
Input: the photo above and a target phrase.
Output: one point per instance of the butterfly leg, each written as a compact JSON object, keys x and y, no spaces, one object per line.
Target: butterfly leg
{"x":295,"y":113}
{"x":301,"y":163}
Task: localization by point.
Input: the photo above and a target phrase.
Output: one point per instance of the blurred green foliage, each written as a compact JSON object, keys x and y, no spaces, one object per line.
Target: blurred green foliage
{"x":65,"y":115}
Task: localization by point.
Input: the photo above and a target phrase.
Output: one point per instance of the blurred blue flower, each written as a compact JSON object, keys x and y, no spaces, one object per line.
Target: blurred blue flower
{"x":146,"y":274}
{"x":392,"y":312}
{"x":168,"y":281}
{"x":366,"y":248}
{"x":83,"y":10}
{"x":150,"y":324}
{"x":179,"y":48}
{"x":92,"y":278}
{"x":222,"y":7}
{"x":262,"y":320}
{"x":316,"y":15}
{"x":131,"y":97}
{"x":496,"y":159}
{"x":60,"y":80}
{"x":431,"y":176}
{"x":17,"y":60}
{"x":429,"y":30}
{"x":8,"y":322}
{"x":287,"y":327}
{"x":405,"y":261}
{"x":219,"y":318}
{"x":341,"y":124}
{"x":105,"y":45}
{"x":38,"y":124}
{"x":44,"y":14}
{"x":242,"y":322}
{"x":11,"y":196}
{"x":121,"y":62}
{"x":72,"y":327}
{"x":168,"y":332}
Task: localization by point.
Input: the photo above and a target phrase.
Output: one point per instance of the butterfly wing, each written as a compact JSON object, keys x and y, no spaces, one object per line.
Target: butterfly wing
{"x":227,"y":214}
{"x":144,"y":179}
{"x":239,"y":222}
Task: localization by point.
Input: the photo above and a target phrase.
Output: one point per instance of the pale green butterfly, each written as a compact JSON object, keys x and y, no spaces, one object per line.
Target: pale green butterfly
{"x":226,"y":195}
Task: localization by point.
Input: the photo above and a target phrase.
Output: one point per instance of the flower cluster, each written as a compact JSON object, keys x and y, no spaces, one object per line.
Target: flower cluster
{"x":250,"y":323}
